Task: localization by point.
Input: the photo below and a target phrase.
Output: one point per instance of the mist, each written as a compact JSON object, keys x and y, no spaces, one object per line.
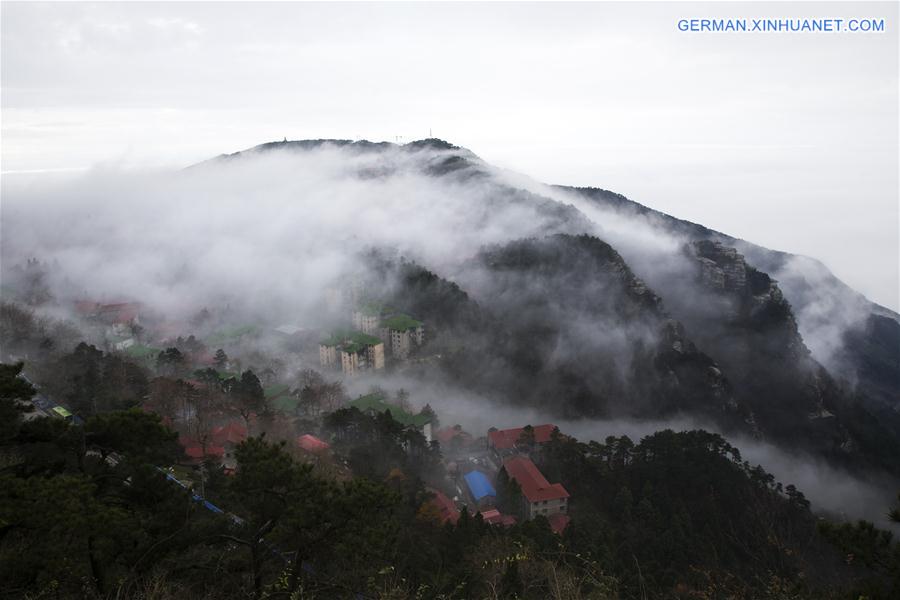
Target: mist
{"x":263,"y":235}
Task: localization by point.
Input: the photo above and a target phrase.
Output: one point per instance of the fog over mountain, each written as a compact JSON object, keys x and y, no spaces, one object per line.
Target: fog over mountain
{"x":567,"y":303}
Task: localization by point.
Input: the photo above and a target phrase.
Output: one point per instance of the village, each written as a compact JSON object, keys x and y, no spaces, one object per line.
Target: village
{"x":217,"y":389}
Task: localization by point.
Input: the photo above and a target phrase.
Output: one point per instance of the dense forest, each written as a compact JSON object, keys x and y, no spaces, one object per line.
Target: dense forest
{"x":87,"y":512}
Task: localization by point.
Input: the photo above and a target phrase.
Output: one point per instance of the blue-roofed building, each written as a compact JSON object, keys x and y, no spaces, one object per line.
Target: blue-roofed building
{"x":481,"y":489}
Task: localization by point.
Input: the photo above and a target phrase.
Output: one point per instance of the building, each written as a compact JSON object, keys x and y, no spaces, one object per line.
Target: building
{"x":495,"y":517}
{"x":228,"y":437}
{"x":312,"y":444}
{"x":540,"y":497}
{"x":327,"y":354}
{"x":506,"y":442}
{"x":367,"y":318}
{"x":445,"y":506}
{"x":454,"y":439}
{"x":400,"y":332}
{"x":373,"y":404}
{"x":403,"y":333}
{"x":559,"y":522}
{"x":481,"y":489}
{"x":119,"y":320}
{"x":357,"y":351}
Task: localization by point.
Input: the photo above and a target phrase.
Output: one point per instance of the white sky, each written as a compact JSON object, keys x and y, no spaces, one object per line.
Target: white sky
{"x":787,"y":140}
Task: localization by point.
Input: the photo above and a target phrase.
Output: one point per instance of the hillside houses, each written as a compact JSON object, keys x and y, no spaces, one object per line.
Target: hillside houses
{"x":507,"y":442}
{"x":356,"y":351}
{"x":118,"y":320}
{"x":375,"y":403}
{"x":539,"y":496}
{"x":400,"y":332}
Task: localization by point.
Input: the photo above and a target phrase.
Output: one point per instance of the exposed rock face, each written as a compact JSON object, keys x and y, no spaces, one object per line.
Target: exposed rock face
{"x":722,"y":268}
{"x":745,"y":322}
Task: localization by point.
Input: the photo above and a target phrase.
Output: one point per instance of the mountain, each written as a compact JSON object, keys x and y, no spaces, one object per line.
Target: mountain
{"x":592,"y":305}
{"x":574,"y":301}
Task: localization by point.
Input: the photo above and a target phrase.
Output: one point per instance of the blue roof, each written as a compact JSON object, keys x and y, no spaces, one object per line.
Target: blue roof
{"x":479,"y":485}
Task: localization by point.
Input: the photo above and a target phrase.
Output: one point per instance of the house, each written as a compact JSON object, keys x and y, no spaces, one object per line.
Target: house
{"x":481,"y":489}
{"x":454,"y":439}
{"x":559,"y":522}
{"x":312,"y":444}
{"x":372,"y":404}
{"x":196,"y":452}
{"x":357,"y":351}
{"x":495,"y":517}
{"x":446,"y":507}
{"x":196,"y":455}
{"x":506,"y":442}
{"x":367,"y":318}
{"x":119,"y":317}
{"x":230,"y":435}
{"x":402,"y":332}
{"x":540,"y":497}
{"x":123,"y":343}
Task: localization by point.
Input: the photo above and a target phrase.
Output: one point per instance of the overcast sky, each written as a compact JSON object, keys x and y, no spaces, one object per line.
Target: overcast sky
{"x":787,"y":140}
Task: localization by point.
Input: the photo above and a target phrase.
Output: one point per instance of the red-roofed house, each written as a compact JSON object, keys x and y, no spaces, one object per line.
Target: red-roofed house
{"x":311,"y":443}
{"x":196,"y":455}
{"x":504,"y":442}
{"x":119,"y":316}
{"x":495,"y":517}
{"x":229,"y":435}
{"x":559,"y":522}
{"x":453,"y":438}
{"x":446,"y":507}
{"x":541,"y":497}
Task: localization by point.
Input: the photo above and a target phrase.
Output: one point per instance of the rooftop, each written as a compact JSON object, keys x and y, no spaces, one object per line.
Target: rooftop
{"x":311,"y":443}
{"x":232,"y":433}
{"x":446,"y":507}
{"x":495,"y":517}
{"x":401,"y":323}
{"x":479,"y":485}
{"x":505,"y":439}
{"x":535,"y":486}
{"x":372,"y":309}
{"x":559,"y":522}
{"x":377,"y":403}
{"x":351,"y":341}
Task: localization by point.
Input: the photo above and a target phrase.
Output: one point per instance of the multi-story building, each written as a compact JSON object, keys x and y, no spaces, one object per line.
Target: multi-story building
{"x":539,"y":496}
{"x":403,"y":332}
{"x":398,"y":331}
{"x":327,"y":354}
{"x":367,"y":318}
{"x":505,"y":442}
{"x":357,"y":351}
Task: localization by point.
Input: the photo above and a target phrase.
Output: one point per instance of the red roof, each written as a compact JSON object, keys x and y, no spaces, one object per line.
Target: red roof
{"x":122,"y":312}
{"x":311,"y":443}
{"x":234,"y":433}
{"x":447,"y":508}
{"x":535,"y":486}
{"x":86,"y":307}
{"x":495,"y":517}
{"x":559,"y":522}
{"x":446,"y":435}
{"x":507,"y":438}
{"x":196,"y":452}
